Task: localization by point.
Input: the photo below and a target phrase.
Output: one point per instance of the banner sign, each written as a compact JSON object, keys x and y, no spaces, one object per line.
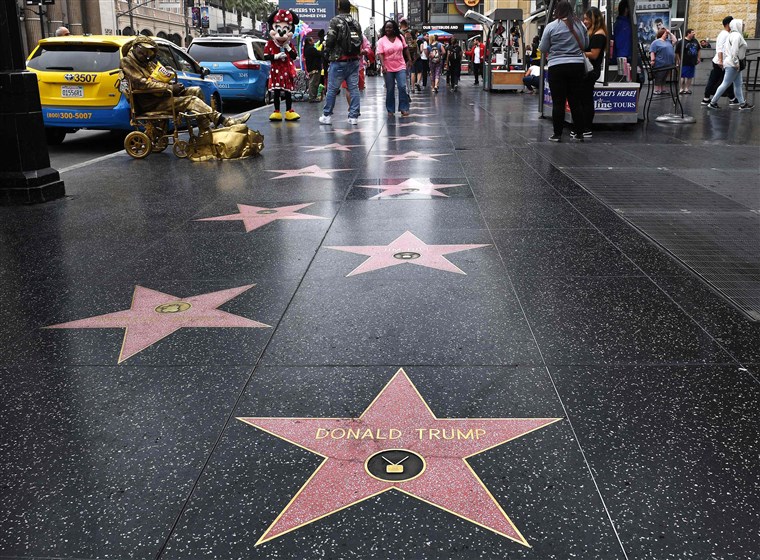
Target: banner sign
{"x":204,"y":17}
{"x":196,"y":11}
{"x":452,"y":27}
{"x":613,"y":100}
{"x":318,"y":12}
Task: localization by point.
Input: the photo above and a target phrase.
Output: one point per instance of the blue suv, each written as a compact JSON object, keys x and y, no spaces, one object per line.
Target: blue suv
{"x":237,"y":65}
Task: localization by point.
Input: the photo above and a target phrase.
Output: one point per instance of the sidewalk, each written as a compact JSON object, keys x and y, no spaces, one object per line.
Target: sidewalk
{"x":434,"y":337}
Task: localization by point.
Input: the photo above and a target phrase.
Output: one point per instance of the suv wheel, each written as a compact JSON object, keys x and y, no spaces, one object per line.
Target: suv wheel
{"x":268,"y":98}
{"x":55,"y":136}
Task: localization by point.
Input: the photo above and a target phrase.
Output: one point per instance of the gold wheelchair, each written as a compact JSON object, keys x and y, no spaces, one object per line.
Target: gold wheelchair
{"x":156,"y":130}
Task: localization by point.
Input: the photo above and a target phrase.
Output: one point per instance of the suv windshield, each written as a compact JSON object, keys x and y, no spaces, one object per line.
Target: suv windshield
{"x":75,"y":58}
{"x":218,"y":52}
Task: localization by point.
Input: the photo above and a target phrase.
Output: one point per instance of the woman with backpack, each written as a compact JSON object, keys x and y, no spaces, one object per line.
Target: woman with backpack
{"x":734,"y":56}
{"x":394,"y":58}
{"x":565,"y":41}
{"x":436,"y":54}
{"x":454,"y":63}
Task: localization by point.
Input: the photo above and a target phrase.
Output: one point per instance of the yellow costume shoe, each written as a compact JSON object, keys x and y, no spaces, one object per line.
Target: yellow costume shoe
{"x":276,"y":116}
{"x":292,"y":115}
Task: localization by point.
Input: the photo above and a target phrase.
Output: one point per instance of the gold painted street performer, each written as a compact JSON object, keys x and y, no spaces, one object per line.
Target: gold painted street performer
{"x":143,"y":72}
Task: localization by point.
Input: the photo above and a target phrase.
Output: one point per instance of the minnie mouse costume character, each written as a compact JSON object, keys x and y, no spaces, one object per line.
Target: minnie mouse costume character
{"x":281,"y":52}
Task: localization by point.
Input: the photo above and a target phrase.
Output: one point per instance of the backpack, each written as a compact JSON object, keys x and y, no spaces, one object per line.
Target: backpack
{"x":435,"y":55}
{"x":455,"y":54}
{"x":350,"y":38}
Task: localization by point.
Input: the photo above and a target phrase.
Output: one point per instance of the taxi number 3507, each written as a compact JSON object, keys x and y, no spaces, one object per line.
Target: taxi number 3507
{"x":81,"y":78}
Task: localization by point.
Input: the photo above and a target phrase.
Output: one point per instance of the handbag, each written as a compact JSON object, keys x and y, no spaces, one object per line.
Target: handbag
{"x":587,"y":66}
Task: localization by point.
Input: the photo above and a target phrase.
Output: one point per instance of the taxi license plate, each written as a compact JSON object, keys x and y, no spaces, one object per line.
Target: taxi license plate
{"x":216,"y":77}
{"x":72,"y":91}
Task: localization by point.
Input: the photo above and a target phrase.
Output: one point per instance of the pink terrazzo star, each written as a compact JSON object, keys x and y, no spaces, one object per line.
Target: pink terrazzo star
{"x":340,"y":132}
{"x":155,"y":315}
{"x":333,"y":148}
{"x":398,"y":422}
{"x":412,"y":137}
{"x":410,"y":156}
{"x":410,"y":188}
{"x":254,"y":217}
{"x":406,"y":248}
{"x":310,"y":171}
{"x":414,"y":123}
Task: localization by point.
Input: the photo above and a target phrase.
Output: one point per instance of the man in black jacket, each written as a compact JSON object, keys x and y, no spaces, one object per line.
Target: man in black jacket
{"x":313,"y":68}
{"x":343,"y":65}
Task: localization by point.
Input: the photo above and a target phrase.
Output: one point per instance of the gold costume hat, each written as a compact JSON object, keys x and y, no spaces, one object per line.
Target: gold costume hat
{"x":146,"y":42}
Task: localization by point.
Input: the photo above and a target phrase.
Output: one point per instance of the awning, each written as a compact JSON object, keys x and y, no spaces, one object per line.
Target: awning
{"x":535,"y":15}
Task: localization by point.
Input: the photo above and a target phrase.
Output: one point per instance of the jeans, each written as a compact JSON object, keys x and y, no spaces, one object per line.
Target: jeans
{"x":733,"y":76}
{"x":390,"y":92}
{"x":314,"y":79}
{"x":343,"y":70}
{"x":455,"y":71}
{"x":566,"y":83}
{"x":715,"y":79}
{"x":531,"y":82}
{"x":477,"y":69}
{"x":587,"y":99}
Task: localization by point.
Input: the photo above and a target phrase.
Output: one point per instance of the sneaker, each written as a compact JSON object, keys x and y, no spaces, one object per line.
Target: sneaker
{"x":325,"y":119}
{"x":588,"y":134}
{"x":353,"y":120}
{"x":712,"y":105}
{"x":576,"y":136}
{"x":746,"y":107}
{"x":555,"y":138}
{"x":734,"y":102}
{"x":705,"y":101}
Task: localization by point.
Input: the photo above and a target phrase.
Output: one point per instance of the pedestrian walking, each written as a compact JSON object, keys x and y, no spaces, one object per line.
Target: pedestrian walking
{"x":733,"y":58}
{"x":717,"y":73}
{"x":436,"y":55}
{"x":690,"y":48}
{"x":423,"y":45}
{"x":597,"y":44}
{"x":394,"y":58}
{"x":454,"y":63}
{"x":477,"y":55}
{"x":415,"y":64}
{"x":313,"y":59}
{"x":343,"y":45}
{"x":564,"y":41}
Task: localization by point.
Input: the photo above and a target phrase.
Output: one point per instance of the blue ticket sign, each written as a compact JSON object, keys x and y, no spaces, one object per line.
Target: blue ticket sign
{"x":318,"y":12}
{"x":617,"y":98}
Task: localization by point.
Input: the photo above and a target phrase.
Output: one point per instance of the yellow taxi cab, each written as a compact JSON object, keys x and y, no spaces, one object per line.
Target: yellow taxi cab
{"x":78,"y":79}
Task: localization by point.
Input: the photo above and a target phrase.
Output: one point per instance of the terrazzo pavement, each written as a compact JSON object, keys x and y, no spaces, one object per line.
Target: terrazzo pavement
{"x":559,"y":309}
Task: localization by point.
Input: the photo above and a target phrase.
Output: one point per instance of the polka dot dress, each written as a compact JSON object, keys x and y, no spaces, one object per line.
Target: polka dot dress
{"x":283,"y":71}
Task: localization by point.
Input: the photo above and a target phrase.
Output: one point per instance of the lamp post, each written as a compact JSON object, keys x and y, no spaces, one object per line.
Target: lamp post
{"x":25,"y":172}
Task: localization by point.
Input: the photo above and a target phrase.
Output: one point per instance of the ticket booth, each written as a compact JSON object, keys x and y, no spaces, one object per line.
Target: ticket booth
{"x":617,"y":92}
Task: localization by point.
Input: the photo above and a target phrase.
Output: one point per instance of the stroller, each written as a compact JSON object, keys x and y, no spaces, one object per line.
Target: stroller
{"x":300,"y":86}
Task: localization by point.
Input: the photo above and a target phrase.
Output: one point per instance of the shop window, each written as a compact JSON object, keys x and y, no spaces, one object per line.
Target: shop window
{"x":439,"y":6}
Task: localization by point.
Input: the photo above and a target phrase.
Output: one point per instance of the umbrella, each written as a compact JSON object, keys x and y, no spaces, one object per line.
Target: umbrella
{"x":439,"y":33}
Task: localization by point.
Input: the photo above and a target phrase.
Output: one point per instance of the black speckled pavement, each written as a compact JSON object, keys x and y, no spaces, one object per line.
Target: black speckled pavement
{"x":430,"y":337}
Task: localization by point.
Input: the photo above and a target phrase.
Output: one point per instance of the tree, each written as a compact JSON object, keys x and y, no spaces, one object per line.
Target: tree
{"x":256,"y":8}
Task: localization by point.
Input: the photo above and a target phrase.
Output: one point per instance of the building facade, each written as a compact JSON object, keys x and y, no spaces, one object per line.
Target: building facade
{"x":169,"y":19}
